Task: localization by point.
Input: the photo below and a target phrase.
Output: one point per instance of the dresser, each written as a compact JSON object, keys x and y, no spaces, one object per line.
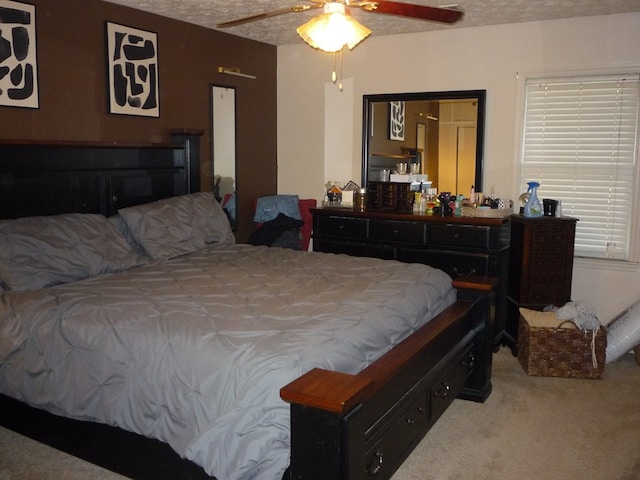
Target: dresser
{"x":541,"y":265}
{"x":456,"y":245}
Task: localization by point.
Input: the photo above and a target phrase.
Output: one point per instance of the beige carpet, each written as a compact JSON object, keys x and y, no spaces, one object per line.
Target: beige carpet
{"x":535,"y":428}
{"x":530,"y":428}
{"x":24,"y":459}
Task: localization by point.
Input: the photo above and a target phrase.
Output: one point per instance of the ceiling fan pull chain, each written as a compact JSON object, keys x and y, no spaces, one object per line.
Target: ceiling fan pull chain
{"x":340,"y":76}
{"x":334,"y":75}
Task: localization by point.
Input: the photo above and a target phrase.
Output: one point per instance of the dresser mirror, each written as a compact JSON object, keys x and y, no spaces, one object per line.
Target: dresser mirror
{"x":440,"y":133}
{"x":223,"y":148}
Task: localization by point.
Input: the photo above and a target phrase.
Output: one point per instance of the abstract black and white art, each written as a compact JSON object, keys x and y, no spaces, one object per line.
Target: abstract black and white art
{"x":133,"y":71}
{"x":396,"y":120}
{"x":18,"y":59}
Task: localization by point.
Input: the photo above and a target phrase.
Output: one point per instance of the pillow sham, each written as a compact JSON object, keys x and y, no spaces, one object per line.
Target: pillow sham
{"x":38,"y":252}
{"x":178,"y":225}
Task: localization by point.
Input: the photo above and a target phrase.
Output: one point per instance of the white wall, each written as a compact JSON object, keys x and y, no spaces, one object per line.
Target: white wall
{"x":319,"y":128}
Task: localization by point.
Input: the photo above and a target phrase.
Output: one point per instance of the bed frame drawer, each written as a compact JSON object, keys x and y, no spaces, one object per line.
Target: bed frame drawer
{"x":409,"y":424}
{"x":448,"y":385}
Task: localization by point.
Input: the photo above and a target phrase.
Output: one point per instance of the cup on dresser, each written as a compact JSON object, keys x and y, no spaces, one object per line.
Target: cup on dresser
{"x":401,"y":168}
{"x":385,"y":175}
{"x":414,"y":168}
{"x":550,"y":207}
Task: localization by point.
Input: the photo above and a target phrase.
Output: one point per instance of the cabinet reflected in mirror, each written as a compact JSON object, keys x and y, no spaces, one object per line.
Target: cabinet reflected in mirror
{"x":223,"y":148}
{"x":441,"y":132}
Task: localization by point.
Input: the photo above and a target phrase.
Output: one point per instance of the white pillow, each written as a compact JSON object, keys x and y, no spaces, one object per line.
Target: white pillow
{"x":178,"y":225}
{"x":37,"y":252}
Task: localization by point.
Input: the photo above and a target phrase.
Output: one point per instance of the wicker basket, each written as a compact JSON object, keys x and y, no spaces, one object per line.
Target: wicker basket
{"x":561,"y":352}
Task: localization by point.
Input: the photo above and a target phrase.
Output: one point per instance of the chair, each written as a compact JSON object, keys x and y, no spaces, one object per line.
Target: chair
{"x":305,"y":205}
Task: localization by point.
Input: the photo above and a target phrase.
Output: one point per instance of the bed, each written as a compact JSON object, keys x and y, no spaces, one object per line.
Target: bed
{"x":137,"y":316}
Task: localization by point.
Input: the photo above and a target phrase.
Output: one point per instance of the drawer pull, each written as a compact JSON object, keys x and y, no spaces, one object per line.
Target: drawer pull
{"x":469,"y":360}
{"x":444,"y":391}
{"x":396,"y":231}
{"x":340,"y":227}
{"x":410,"y":421}
{"x":376,"y":464}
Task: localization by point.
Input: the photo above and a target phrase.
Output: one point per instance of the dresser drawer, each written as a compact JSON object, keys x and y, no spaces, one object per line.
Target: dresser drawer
{"x":342,"y":227}
{"x":548,"y":295}
{"x":552,"y":228}
{"x":548,"y":278}
{"x":458,"y":263}
{"x":546,"y":239}
{"x":548,"y":248}
{"x":405,"y":232}
{"x":353,"y":248}
{"x":541,"y":264}
{"x":453,"y":263}
{"x":460,"y":235}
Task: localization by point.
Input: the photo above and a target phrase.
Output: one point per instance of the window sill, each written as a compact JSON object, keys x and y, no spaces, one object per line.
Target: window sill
{"x":606,"y":264}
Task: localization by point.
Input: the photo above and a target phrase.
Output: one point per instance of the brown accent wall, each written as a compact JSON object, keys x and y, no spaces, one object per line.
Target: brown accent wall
{"x":73,"y":90}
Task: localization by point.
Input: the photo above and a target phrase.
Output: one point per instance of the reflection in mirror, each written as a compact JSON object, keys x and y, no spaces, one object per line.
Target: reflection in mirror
{"x":223,"y":148}
{"x":441,"y":133}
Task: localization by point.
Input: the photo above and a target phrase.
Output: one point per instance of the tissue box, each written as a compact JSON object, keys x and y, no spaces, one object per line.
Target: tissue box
{"x":548,"y":347}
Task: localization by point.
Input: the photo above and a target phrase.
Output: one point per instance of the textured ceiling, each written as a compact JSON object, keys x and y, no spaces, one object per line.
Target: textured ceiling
{"x":280,"y":30}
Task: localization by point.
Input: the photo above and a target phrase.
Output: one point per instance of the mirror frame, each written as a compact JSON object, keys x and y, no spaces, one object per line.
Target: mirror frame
{"x":479,"y":95}
{"x":213,"y":86}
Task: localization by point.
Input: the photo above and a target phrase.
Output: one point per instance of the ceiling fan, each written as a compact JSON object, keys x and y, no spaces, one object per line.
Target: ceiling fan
{"x":335,"y":28}
{"x":420,"y":12}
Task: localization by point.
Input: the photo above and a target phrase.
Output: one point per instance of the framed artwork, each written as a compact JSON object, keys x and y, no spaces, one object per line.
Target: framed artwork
{"x":18,"y":56}
{"x":396,"y":120}
{"x":132,"y":64}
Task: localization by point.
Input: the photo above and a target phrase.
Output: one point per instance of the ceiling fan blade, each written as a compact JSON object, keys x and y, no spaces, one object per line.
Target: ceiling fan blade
{"x":273,"y":13}
{"x":421,"y":12}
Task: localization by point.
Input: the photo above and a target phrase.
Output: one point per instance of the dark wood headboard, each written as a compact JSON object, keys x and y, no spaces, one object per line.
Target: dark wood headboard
{"x":48,"y":178}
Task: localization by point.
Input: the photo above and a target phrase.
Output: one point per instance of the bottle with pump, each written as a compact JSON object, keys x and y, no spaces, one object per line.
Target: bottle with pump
{"x":533,"y":207}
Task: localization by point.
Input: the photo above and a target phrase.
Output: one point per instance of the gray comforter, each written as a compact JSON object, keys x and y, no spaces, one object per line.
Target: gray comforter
{"x":193,"y":350}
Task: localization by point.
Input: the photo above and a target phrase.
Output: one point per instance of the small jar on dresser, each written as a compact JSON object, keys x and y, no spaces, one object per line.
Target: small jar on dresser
{"x":540,"y":265}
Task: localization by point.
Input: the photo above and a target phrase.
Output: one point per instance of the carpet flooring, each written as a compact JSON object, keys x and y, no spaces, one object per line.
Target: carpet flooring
{"x":530,"y":428}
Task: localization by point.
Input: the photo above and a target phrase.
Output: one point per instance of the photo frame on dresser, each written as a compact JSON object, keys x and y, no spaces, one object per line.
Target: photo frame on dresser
{"x":18,"y":55}
{"x":132,"y":66}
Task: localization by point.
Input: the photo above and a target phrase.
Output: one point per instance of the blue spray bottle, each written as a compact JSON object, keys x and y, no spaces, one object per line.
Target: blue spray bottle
{"x":533,"y":208}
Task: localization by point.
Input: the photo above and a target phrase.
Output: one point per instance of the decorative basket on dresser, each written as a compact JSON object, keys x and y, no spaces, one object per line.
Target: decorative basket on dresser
{"x":540,"y":265}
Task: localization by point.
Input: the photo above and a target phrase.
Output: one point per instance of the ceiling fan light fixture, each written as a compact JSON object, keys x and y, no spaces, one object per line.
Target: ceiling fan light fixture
{"x":333,"y":29}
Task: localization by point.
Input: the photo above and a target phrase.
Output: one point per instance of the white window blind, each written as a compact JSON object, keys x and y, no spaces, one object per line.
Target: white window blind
{"x":580,"y":143}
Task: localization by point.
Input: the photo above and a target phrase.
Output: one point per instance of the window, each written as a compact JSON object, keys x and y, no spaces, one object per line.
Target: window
{"x":581,"y":143}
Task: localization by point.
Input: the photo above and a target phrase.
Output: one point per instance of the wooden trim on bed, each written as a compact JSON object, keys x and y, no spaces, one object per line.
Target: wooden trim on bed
{"x":340,"y":392}
{"x":332,"y":391}
{"x":475,"y":282}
